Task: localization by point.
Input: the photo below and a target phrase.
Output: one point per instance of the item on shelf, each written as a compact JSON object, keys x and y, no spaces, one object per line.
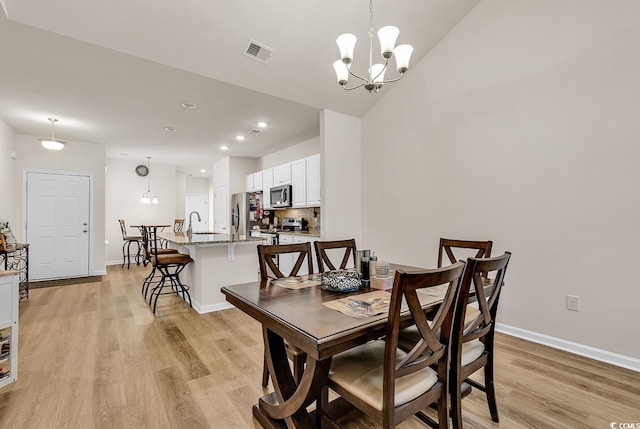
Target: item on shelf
{"x":3,"y":243}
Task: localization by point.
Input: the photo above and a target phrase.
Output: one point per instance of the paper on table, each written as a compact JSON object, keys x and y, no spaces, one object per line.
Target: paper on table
{"x":362,"y":306}
{"x":432,"y":294}
{"x":296,"y":282}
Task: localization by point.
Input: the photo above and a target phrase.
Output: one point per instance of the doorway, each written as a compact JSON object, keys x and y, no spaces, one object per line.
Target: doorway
{"x":200,"y":204}
{"x":57,"y":225}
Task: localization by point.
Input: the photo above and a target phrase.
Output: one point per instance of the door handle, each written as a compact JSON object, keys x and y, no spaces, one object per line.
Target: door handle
{"x":84,"y":230}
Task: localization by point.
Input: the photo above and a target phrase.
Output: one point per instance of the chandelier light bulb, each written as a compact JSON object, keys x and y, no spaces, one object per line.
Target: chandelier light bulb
{"x":346,"y":43}
{"x":387,"y":36}
{"x":403,"y":55}
{"x":342,"y":72}
{"x":52,"y":143}
{"x":376,"y":73}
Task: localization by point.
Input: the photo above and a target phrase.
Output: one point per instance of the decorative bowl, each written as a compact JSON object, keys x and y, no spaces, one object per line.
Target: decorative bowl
{"x":341,"y":281}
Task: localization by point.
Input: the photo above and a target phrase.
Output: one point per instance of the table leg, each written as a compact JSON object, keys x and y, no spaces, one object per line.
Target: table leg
{"x":290,"y":400}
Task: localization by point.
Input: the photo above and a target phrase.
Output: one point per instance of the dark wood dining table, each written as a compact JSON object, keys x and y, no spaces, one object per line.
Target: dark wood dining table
{"x":300,"y":316}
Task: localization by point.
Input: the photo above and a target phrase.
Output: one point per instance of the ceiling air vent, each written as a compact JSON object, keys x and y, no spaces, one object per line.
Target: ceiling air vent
{"x":258,"y":51}
{"x":254,"y":131}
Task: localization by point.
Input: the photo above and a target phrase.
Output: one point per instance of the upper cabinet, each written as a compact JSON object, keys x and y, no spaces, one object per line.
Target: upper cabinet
{"x":267,"y":184}
{"x":299,"y":183}
{"x":305,"y":182}
{"x":313,"y":180}
{"x":282,"y":175}
{"x":303,"y":175}
{"x":253,"y":182}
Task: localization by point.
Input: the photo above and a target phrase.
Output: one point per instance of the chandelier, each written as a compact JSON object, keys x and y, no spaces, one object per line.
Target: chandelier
{"x":52,"y":143}
{"x":148,"y":197}
{"x":375,"y":79}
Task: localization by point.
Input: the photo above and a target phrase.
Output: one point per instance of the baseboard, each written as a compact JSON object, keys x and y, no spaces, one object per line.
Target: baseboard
{"x":113,"y":262}
{"x":571,"y":347}
{"x":211,"y":307}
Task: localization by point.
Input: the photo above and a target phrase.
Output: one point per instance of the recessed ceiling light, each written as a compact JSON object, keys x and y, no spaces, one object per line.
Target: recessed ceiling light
{"x":189,"y":105}
{"x":262,"y":124}
{"x":170,"y":129}
{"x":203,"y":170}
{"x":224,"y":147}
{"x":124,"y":154}
{"x":240,"y":138}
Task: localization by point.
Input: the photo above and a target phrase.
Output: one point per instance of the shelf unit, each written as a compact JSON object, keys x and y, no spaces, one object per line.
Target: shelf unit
{"x":8,"y":327}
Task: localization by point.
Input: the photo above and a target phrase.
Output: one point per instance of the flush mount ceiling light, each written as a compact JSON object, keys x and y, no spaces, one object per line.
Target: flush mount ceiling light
{"x":170,"y":129}
{"x":52,"y":143}
{"x":262,"y":124}
{"x":375,"y":79}
{"x":202,"y":170}
{"x":224,"y":147}
{"x":148,"y":197}
{"x":189,"y":105}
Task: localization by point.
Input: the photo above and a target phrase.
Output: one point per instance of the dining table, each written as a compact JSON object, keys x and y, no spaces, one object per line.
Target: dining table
{"x":304,"y":312}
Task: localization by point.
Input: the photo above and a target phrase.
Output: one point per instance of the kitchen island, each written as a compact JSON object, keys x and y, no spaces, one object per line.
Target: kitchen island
{"x":218,"y":260}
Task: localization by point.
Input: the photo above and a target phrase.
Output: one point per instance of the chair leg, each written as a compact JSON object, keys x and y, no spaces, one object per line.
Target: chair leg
{"x":124,"y":257}
{"x":455,"y":382}
{"x":128,"y":255}
{"x":490,"y":389}
{"x":265,"y":372}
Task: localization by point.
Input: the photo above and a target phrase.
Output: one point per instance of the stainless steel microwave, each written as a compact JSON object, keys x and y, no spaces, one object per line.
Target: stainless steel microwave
{"x":280,"y":196}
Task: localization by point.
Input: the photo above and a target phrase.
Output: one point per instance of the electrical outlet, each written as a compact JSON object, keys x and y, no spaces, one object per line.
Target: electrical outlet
{"x":573,"y":303}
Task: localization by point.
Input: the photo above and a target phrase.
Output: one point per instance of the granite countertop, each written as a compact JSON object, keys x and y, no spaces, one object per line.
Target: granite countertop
{"x":206,"y":238}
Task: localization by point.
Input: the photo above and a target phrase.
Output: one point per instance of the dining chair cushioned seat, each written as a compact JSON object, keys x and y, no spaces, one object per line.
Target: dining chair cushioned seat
{"x":133,"y":237}
{"x":163,"y":251}
{"x":471,"y":351}
{"x":408,"y":337}
{"x":360,"y":370}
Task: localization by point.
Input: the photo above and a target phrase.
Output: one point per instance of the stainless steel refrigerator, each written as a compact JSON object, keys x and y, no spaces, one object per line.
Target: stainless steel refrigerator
{"x":247,"y":213}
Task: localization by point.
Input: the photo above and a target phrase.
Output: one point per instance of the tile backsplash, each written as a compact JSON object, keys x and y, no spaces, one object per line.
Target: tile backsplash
{"x":310,"y":214}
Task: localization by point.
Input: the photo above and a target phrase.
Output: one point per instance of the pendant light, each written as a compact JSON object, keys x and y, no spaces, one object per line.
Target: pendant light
{"x":148,"y":197}
{"x":52,"y":143}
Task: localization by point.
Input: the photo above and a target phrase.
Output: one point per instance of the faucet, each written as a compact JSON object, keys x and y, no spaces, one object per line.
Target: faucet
{"x":190,"y":230}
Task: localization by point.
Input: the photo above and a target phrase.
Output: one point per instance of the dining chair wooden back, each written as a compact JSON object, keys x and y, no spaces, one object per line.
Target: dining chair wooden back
{"x":391,"y":385}
{"x":348,"y":246}
{"x":178,"y":225}
{"x":472,"y":342}
{"x":447,"y":245}
{"x":267,"y":254}
{"x":267,"y":262}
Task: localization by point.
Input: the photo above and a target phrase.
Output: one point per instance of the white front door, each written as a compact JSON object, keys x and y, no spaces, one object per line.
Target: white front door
{"x":221,"y":210}
{"x":57,"y":225}
{"x":198,"y":203}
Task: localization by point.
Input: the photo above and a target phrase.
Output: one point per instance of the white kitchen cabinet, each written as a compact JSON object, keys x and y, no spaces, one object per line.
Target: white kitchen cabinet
{"x":299,"y":183}
{"x":313,"y":180}
{"x":267,"y":184}
{"x":307,"y":239}
{"x":285,"y":261}
{"x":8,"y":328}
{"x":253,"y":182}
{"x":282,"y":174}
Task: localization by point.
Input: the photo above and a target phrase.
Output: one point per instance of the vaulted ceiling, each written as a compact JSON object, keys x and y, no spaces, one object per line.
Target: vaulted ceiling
{"x":116,"y":72}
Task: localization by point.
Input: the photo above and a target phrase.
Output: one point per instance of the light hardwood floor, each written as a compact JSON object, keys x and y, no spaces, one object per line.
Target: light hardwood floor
{"x":93,"y":355}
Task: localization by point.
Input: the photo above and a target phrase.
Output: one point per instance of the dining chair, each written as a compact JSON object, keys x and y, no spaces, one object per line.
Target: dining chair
{"x":178,"y":225}
{"x":148,"y":251}
{"x":391,"y":385}
{"x":267,"y":255}
{"x":348,"y":247}
{"x":170,"y":266}
{"x":126,"y":246}
{"x":447,"y":245}
{"x":472,"y":344}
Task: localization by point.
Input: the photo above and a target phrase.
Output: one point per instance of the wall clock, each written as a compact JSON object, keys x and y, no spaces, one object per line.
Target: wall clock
{"x":142,"y":170}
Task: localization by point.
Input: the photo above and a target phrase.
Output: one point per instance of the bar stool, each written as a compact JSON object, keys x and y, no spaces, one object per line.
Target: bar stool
{"x":126,"y":246}
{"x":147,"y":253}
{"x":170,"y":266}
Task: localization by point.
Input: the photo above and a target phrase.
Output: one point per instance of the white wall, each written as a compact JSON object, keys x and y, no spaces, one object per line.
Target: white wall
{"x":522,"y":127}
{"x":292,"y":153}
{"x":76,"y":157}
{"x":123,"y":191}
{"x":238,"y":169}
{"x":197,"y":185}
{"x":8,"y":200}
{"x":341,"y":187}
{"x":181,"y":191}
